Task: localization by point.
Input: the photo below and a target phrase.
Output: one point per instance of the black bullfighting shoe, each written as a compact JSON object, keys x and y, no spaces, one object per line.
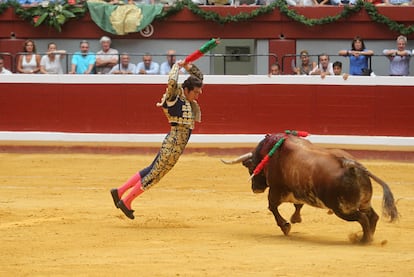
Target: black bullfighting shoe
{"x":129,"y":213}
{"x":115,"y":197}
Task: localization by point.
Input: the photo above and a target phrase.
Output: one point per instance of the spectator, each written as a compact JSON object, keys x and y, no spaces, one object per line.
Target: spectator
{"x":399,"y":58}
{"x":83,"y":61}
{"x":320,"y":2}
{"x":28,"y":62}
{"x":28,"y":3}
{"x":147,"y":66}
{"x":306,"y":64}
{"x":399,"y":2}
{"x":375,"y":2}
{"x":302,"y":3}
{"x":107,"y":57}
{"x":275,"y":69}
{"x":125,"y":67}
{"x":358,"y":57}
{"x":324,"y":68}
{"x":3,"y":70}
{"x":51,"y":62}
{"x":337,"y":69}
{"x":343,"y":2}
{"x":166,"y":66}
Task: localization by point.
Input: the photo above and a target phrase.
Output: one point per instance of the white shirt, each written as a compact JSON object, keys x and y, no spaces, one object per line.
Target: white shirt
{"x":129,"y":69}
{"x":52,"y":67}
{"x":153,"y":69}
{"x":329,"y":69}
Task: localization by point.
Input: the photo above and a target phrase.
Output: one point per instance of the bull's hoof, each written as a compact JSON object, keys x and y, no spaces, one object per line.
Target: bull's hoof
{"x":296,"y":219}
{"x":366,"y":240}
{"x":286,"y":228}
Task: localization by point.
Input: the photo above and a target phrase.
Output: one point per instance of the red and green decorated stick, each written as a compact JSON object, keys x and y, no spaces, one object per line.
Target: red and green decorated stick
{"x":203,"y":49}
{"x":266,"y":158}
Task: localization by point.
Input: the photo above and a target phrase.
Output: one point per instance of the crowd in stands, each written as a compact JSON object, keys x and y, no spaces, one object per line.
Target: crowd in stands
{"x":358,"y":54}
{"x":109,"y":61}
{"x":249,"y":2}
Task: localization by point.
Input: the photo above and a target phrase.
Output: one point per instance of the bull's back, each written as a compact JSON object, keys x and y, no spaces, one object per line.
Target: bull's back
{"x":304,"y":174}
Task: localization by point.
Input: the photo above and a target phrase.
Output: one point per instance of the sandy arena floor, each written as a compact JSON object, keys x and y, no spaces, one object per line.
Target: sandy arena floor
{"x":57,"y":219}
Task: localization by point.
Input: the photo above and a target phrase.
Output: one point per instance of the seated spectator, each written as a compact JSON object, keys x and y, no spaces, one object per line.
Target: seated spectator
{"x":275,"y":69}
{"x":83,"y":61}
{"x":306,"y":65}
{"x":107,"y":57}
{"x":342,"y":2}
{"x":197,"y":2}
{"x":147,"y":66}
{"x":125,"y":67}
{"x":320,"y":2}
{"x":324,"y":68}
{"x":399,"y":2}
{"x":376,"y":2}
{"x":166,"y":66}
{"x":337,"y":69}
{"x":26,"y":3}
{"x":399,"y":58}
{"x":51,"y":62}
{"x":219,"y":2}
{"x":28,"y":62}
{"x":358,"y":57}
{"x":3,"y":70}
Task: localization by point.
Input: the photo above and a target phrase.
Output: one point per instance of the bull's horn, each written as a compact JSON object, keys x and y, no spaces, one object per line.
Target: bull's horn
{"x":239,"y":159}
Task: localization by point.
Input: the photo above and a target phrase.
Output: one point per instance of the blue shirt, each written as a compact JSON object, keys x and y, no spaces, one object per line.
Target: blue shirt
{"x":153,"y":69}
{"x":82,"y":62}
{"x":356,"y":64}
{"x":399,"y":2}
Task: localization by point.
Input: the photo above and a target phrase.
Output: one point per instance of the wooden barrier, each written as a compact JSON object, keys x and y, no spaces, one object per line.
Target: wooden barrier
{"x":371,"y":106}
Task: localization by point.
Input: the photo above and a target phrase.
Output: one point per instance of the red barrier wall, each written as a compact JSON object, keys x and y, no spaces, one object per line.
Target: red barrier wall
{"x":228,"y":108}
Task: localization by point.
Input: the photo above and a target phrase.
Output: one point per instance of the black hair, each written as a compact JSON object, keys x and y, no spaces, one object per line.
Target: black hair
{"x":337,"y":63}
{"x":192,"y":82}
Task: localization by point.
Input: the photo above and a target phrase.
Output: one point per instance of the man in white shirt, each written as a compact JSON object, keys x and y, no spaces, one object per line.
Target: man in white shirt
{"x":167,"y":65}
{"x":125,"y":67}
{"x":2,"y":69}
{"x":147,"y":66}
{"x":324,"y":68}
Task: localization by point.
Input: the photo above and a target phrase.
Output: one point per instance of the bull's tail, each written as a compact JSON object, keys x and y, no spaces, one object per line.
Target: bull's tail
{"x":388,"y":203}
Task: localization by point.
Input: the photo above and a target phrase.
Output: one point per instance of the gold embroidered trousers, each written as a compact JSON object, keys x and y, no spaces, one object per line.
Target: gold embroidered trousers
{"x":171,"y":149}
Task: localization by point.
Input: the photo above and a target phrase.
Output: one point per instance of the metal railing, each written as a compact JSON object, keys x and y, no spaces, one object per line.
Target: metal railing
{"x":295,"y":60}
{"x":221,"y":61}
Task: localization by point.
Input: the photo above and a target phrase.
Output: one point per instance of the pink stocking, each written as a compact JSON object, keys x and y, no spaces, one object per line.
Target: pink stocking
{"x":129,"y":184}
{"x":135,"y":192}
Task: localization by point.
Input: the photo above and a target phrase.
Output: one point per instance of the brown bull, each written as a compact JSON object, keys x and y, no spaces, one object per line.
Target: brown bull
{"x":302,"y":173}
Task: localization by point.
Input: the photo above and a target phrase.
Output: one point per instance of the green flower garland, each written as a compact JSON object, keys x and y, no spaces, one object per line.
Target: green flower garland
{"x":56,"y":15}
{"x":290,"y":13}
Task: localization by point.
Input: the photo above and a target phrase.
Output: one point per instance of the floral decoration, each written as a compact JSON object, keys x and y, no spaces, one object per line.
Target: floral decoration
{"x":57,"y":13}
{"x":52,"y":13}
